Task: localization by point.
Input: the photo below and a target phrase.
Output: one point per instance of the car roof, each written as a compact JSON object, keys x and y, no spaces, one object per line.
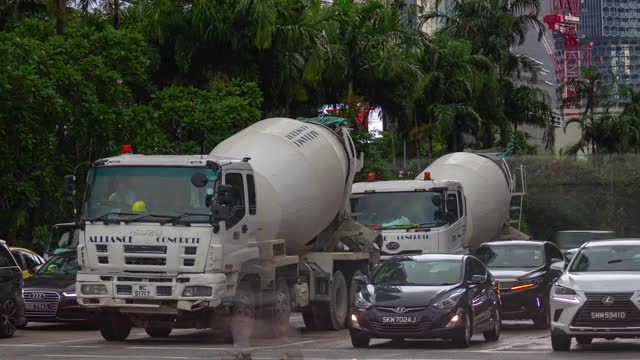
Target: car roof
{"x":22,"y":249}
{"x":426,"y":257}
{"x":515,"y":242}
{"x":614,"y":242}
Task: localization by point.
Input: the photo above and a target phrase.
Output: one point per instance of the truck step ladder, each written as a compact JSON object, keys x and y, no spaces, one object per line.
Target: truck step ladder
{"x":518,"y":192}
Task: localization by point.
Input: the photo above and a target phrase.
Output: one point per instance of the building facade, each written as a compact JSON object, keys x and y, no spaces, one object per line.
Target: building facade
{"x":613,"y":26}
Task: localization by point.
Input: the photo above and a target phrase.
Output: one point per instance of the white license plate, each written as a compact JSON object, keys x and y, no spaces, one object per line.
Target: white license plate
{"x":608,"y":315}
{"x":36,"y":306}
{"x":143,"y":290}
{"x":399,"y":319}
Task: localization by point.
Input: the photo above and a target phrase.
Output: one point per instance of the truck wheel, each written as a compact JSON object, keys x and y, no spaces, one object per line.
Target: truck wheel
{"x":243,"y":314}
{"x":332,"y":316}
{"x":158,"y":332}
{"x":354,"y":287}
{"x":277,"y":310}
{"x":114,"y":326}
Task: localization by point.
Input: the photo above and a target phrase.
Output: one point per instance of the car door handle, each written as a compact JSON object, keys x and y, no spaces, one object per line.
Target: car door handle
{"x":245,"y":228}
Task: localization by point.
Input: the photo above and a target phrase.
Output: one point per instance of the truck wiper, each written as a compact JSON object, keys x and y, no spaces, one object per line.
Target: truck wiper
{"x":104,"y":216}
{"x":139,"y":218}
{"x":174,"y":219}
{"x":621,"y":260}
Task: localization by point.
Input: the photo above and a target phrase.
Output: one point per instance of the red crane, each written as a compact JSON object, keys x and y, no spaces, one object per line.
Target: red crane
{"x":563,"y":22}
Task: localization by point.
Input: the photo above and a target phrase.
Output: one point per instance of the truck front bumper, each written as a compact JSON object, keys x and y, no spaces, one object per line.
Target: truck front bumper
{"x":160,"y":294}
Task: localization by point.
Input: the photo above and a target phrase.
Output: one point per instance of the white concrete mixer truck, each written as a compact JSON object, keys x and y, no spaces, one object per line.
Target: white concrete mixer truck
{"x":458,"y":202}
{"x":228,"y":241}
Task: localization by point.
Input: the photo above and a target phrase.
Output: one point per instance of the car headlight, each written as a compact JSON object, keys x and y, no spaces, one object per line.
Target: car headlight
{"x":449,"y":302}
{"x":94,"y":289}
{"x":525,"y":284}
{"x":563,"y":293}
{"x":360,"y":302}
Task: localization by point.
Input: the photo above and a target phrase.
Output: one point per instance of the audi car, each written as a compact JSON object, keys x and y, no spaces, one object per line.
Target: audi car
{"x":50,"y":294}
{"x":424,"y":297}
{"x":524,"y":271}
{"x":598,"y":296}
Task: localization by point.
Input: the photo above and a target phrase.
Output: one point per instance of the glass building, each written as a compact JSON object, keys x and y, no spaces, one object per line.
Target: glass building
{"x":614,"y":28}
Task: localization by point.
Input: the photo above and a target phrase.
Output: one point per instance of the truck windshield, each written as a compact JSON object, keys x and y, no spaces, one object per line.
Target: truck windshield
{"x":62,"y":238}
{"x":396,"y":209}
{"x":511,"y":256}
{"x":418,"y":273}
{"x":607,"y":258}
{"x":150,"y":194}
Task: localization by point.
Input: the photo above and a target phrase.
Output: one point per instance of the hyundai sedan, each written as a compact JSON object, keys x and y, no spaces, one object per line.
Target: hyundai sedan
{"x":424,"y":297}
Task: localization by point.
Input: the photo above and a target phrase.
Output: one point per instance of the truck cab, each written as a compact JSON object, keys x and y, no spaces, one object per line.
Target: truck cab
{"x":414,"y":216}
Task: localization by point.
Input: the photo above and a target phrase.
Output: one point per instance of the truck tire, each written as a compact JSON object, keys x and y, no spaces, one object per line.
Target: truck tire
{"x":354,"y":287}
{"x":332,"y":315}
{"x":243,"y":315}
{"x":158,"y":332}
{"x":114,"y":326}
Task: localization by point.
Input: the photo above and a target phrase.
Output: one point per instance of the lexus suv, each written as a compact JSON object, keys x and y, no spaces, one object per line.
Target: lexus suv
{"x":598,"y":296}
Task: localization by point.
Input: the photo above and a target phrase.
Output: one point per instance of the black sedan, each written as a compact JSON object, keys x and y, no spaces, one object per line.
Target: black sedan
{"x":427,"y":297}
{"x":523,"y":269}
{"x":50,"y":294}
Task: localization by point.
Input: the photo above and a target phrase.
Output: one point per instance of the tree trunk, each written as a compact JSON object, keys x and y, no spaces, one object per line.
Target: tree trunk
{"x":60,"y":7}
{"x":116,"y":14}
{"x":392,"y":131}
{"x":415,"y":123}
{"x":430,"y":149}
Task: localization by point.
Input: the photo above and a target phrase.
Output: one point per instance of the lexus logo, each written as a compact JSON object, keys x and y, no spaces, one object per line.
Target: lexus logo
{"x":37,"y":296}
{"x":608,"y":300}
{"x":400,"y":310}
{"x":393,"y":245}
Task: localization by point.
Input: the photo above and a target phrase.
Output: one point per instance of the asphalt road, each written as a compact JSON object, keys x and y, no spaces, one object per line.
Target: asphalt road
{"x":518,"y":341}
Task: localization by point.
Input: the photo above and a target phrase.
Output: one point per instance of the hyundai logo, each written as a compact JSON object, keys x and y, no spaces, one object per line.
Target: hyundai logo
{"x":400,"y":310}
{"x":37,"y":295}
{"x":608,"y":300}
{"x":393,"y":245}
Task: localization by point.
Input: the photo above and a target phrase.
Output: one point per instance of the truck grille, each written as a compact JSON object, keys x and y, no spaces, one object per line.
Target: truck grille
{"x":45,"y":302}
{"x":145,"y":249}
{"x":401,"y":329}
{"x":621,"y":303}
{"x":146,"y":261}
{"x":124,"y":289}
{"x":163,"y":291}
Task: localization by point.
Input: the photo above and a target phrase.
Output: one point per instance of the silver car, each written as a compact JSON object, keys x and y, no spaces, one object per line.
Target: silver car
{"x":598,"y":296}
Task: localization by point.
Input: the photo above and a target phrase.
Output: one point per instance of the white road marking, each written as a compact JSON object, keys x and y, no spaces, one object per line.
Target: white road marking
{"x":253,"y":348}
{"x":120,"y":356}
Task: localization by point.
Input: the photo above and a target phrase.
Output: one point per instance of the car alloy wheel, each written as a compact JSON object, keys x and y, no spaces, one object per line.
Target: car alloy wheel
{"x":8,"y":310}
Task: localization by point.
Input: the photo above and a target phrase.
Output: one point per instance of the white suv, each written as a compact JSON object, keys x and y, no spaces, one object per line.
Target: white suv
{"x":598,"y":296}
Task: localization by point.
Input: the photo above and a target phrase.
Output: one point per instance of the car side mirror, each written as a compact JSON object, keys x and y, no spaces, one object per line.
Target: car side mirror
{"x":69,"y":185}
{"x":559,"y":266}
{"x":361,"y":280}
{"x":477,"y":279}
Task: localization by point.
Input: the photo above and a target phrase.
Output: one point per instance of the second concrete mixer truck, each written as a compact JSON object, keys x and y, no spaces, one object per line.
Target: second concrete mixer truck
{"x":458,"y":202}
{"x":229,"y":241}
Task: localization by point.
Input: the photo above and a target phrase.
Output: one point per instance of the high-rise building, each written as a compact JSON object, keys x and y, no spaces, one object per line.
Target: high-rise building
{"x":431,"y":26}
{"x":614,"y":28}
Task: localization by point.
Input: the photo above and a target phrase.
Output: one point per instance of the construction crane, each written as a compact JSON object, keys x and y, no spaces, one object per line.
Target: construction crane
{"x":563,"y":22}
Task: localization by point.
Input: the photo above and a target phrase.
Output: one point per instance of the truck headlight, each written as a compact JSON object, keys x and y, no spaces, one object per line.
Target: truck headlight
{"x":197,"y":291}
{"x":449,"y":302}
{"x":94,"y":289}
{"x":360,"y":302}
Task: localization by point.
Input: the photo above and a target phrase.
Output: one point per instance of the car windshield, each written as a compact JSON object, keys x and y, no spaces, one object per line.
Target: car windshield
{"x":152,"y":194}
{"x":511,"y":256}
{"x":396,"y":209}
{"x":412,"y":272}
{"x":607,"y":258}
{"x":60,"y":265}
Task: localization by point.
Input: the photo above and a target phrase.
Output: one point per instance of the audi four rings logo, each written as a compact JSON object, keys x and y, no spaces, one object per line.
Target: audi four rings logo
{"x":400,"y":310}
{"x":37,"y":296}
{"x":608,"y":300}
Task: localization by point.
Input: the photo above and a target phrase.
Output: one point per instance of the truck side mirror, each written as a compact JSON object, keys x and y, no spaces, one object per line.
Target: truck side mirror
{"x":199,"y":180}
{"x":223,"y":208}
{"x":69,"y":185}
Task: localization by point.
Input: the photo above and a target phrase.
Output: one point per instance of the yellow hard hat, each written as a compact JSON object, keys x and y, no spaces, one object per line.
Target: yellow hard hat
{"x":139,"y":206}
